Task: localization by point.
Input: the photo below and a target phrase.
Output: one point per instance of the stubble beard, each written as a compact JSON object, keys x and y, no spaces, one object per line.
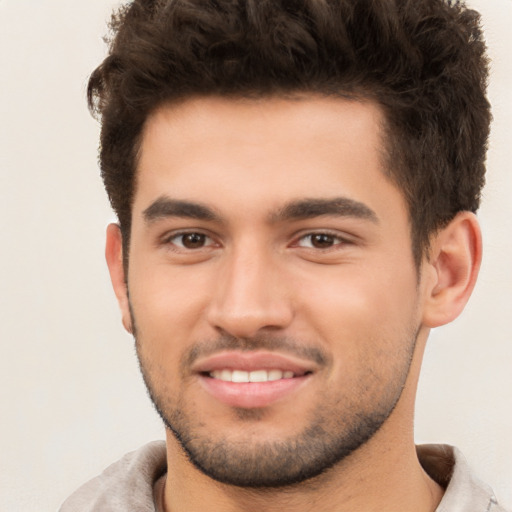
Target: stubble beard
{"x":335,"y":429}
{"x":271,"y":464}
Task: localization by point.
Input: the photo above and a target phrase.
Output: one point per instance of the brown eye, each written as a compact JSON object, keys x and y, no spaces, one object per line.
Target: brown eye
{"x":190,"y":240}
{"x":322,"y":241}
{"x":193,"y":240}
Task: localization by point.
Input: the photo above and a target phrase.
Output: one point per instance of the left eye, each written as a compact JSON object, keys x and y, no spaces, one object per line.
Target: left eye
{"x":319,"y":241}
{"x":191,"y":240}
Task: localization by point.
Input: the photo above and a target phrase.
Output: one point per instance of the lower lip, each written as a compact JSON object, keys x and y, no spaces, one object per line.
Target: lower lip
{"x":251,"y":395}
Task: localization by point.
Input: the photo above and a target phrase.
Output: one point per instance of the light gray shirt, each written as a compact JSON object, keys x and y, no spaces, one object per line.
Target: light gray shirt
{"x":129,"y":484}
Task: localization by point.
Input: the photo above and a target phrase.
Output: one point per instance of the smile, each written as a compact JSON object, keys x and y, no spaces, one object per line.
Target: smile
{"x":241,"y":376}
{"x":253,"y":379}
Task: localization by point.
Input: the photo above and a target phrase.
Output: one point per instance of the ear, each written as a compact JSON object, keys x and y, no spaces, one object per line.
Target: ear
{"x":114,"y":257}
{"x":452,"y":269}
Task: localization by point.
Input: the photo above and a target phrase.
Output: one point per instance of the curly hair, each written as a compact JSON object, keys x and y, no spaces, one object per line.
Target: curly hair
{"x":423,"y":61}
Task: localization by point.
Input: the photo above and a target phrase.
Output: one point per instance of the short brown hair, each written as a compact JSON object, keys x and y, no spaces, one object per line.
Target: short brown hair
{"x":422,"y":61}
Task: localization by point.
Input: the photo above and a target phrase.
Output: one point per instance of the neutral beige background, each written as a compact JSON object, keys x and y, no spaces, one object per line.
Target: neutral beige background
{"x":71,"y":398}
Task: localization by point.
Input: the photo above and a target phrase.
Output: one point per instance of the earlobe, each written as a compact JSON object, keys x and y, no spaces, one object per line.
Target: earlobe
{"x":455,"y":256}
{"x":114,"y":257}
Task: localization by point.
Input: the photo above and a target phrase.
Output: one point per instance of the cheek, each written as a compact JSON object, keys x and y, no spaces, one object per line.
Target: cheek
{"x":168,"y":300}
{"x":362,"y":311}
{"x":168,"y":307}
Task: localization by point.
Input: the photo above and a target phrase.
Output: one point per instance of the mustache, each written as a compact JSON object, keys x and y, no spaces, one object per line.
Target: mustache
{"x":226,"y":342}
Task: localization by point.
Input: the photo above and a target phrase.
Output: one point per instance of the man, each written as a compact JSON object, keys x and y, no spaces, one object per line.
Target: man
{"x":295,"y":184}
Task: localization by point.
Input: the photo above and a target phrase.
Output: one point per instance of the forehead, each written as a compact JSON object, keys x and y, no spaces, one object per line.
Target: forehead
{"x":319,"y":111}
{"x":261,"y":152}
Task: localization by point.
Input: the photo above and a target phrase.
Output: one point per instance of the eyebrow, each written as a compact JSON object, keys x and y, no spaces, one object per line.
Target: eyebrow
{"x":300,"y":209}
{"x":311,"y":208}
{"x":166,"y":207}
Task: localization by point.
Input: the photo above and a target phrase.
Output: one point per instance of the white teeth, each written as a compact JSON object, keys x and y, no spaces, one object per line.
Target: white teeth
{"x":275,"y":375}
{"x":240,"y":376}
{"x":258,"y":376}
{"x":254,"y":376}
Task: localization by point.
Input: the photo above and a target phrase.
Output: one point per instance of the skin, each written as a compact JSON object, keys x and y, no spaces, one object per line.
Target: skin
{"x":256,"y":275}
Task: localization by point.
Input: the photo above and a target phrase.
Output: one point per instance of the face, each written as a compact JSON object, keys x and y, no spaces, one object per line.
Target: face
{"x":271,"y":283}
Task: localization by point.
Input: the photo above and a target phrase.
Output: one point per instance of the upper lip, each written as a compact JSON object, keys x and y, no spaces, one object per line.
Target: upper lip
{"x":253,"y":360}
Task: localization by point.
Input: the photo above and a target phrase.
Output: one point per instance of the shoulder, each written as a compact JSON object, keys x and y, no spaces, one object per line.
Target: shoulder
{"x":125,"y":485}
{"x":464,"y":491}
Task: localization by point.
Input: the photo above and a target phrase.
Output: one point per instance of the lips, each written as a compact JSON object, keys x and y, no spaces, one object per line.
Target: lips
{"x":252,"y":379}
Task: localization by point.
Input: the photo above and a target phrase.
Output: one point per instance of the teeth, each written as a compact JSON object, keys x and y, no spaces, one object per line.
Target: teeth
{"x":254,"y":376}
{"x":258,"y":376}
{"x":275,"y":375}
{"x":239,"y":376}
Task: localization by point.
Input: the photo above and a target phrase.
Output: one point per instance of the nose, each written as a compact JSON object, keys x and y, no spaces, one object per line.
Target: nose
{"x":251,"y":296}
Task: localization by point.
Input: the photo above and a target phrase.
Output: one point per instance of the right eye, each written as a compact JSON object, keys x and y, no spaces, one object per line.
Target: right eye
{"x":319,"y":241}
{"x":190,"y":241}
